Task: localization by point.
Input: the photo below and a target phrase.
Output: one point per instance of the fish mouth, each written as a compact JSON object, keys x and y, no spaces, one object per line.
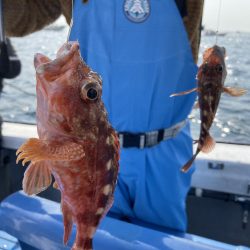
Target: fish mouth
{"x":67,"y":48}
{"x":51,"y":67}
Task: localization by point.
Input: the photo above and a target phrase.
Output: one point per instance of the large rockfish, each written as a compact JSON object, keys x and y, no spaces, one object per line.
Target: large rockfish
{"x":76,"y":144}
{"x":211,"y":77}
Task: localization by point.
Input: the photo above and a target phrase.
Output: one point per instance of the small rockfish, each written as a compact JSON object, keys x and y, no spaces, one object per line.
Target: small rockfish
{"x":211,"y":77}
{"x":76,"y":144}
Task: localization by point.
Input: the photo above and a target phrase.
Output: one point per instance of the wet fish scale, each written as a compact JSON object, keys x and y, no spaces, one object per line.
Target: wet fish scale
{"x":73,"y":131}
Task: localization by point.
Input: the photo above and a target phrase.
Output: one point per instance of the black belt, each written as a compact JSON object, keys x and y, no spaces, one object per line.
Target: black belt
{"x":149,"y":139}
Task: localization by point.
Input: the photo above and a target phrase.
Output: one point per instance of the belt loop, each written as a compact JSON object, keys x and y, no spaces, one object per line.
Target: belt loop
{"x":121,"y":139}
{"x":142,"y":141}
{"x":175,"y":130}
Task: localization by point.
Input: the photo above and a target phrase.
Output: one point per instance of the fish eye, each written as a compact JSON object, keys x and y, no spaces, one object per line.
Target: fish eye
{"x":218,"y":68}
{"x":92,"y":94}
{"x":90,"y":91}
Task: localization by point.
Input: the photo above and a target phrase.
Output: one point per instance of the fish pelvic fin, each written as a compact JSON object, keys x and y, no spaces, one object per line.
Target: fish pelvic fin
{"x":67,"y":221}
{"x":36,"y":150}
{"x":209,"y":144}
{"x":188,"y":165}
{"x":37,"y":178}
{"x":184,"y":92}
{"x":234,"y":91}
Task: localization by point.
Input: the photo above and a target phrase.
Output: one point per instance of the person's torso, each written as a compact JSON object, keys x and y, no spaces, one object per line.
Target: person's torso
{"x":141,"y":50}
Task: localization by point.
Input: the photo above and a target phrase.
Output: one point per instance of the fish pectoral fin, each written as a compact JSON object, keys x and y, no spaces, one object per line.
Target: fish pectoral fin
{"x":234,"y":91}
{"x":35,"y":150}
{"x":209,"y":144}
{"x":184,"y":92}
{"x":37,"y":178}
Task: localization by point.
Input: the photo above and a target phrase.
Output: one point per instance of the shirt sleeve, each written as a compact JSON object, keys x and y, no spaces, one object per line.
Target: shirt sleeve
{"x":193,"y":24}
{"x":22,"y":17}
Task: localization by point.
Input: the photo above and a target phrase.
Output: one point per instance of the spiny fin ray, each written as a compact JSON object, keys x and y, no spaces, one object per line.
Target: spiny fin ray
{"x":35,"y":150}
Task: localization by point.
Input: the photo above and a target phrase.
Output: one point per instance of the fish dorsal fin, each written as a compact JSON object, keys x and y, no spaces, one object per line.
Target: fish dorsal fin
{"x":37,"y":178}
{"x":234,"y":91}
{"x":36,"y":150}
{"x":209,"y":144}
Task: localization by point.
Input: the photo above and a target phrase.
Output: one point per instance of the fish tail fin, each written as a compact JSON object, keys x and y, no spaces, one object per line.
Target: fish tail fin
{"x":83,"y":244}
{"x":37,"y":178}
{"x":209,"y":144}
{"x":67,"y":221}
{"x":188,"y":164}
{"x":88,"y":244}
{"x":234,"y":91}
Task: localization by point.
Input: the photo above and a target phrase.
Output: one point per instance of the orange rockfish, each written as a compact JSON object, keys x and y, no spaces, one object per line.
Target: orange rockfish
{"x":76,"y":144}
{"x":211,"y":77}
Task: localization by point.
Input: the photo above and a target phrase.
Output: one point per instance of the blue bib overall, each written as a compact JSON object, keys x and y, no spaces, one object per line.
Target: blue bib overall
{"x":142,"y":62}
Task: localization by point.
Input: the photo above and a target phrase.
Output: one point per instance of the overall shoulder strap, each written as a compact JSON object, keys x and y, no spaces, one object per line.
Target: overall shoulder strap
{"x":182,"y":7}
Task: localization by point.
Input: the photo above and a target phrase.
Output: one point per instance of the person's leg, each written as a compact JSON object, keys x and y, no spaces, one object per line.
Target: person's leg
{"x":124,"y":195}
{"x":161,"y":190}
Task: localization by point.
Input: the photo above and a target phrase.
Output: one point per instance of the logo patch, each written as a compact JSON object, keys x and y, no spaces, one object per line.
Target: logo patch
{"x":137,"y":10}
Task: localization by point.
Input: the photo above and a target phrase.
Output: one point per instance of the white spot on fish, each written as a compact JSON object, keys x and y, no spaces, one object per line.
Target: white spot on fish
{"x":108,"y":140}
{"x":211,"y":98}
{"x":109,"y":165}
{"x":99,"y":211}
{"x":107,"y":189}
{"x":205,"y":113}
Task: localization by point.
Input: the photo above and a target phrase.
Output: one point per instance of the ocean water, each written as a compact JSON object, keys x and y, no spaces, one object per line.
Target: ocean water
{"x":18,"y":100}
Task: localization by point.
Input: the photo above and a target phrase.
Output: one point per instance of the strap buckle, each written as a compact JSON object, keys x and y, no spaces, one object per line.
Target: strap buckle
{"x":128,"y":140}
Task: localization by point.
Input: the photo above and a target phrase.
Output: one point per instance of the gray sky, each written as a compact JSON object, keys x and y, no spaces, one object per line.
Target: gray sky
{"x":234,"y":15}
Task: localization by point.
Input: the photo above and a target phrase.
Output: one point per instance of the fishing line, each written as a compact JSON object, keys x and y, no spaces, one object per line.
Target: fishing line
{"x":19,"y":89}
{"x":218,"y":21}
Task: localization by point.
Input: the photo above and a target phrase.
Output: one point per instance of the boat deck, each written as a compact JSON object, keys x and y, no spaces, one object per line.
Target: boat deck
{"x":218,"y":204}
